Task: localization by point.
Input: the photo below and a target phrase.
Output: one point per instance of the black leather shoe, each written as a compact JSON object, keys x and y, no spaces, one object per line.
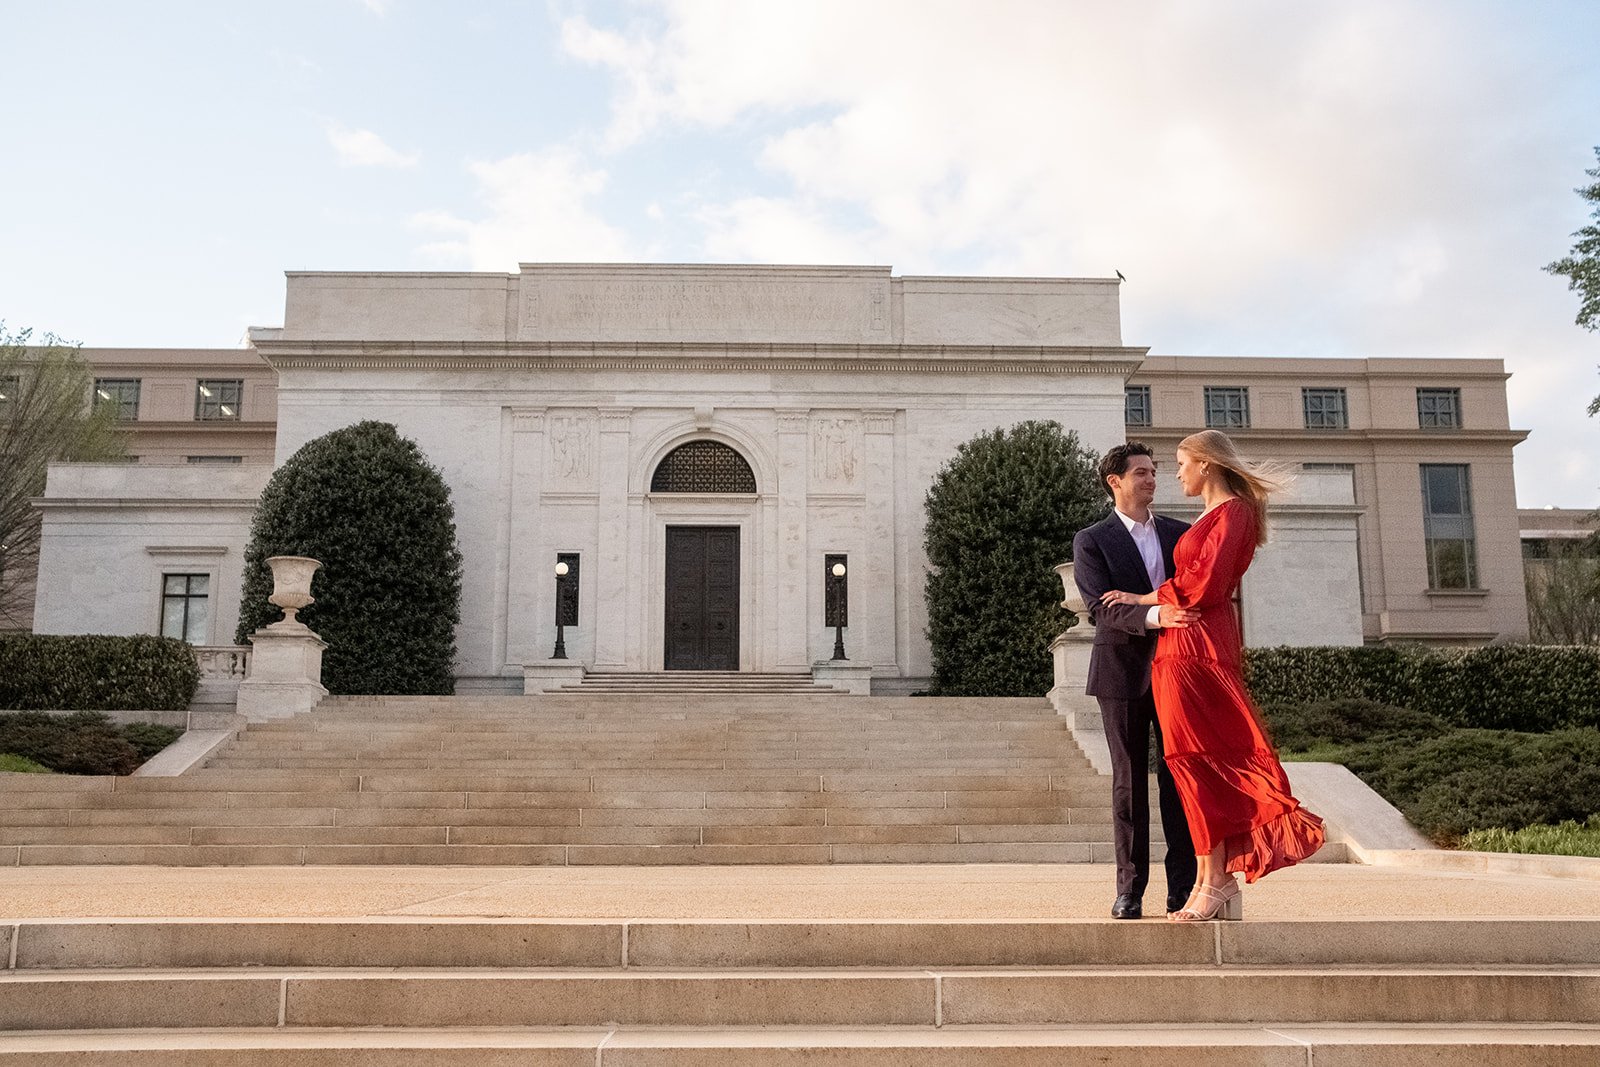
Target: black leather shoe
{"x":1175,"y":901}
{"x":1127,"y":907}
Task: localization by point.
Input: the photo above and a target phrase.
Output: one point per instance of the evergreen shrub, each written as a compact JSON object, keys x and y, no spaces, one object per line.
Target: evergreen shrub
{"x":96,"y":672}
{"x":1469,"y":779}
{"x":1000,"y":516}
{"x":1530,"y":688}
{"x":366,"y":503}
{"x":85,"y":742}
{"x":1348,"y":721}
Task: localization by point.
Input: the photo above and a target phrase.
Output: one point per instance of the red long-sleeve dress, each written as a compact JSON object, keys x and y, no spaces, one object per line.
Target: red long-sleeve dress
{"x":1233,"y":788}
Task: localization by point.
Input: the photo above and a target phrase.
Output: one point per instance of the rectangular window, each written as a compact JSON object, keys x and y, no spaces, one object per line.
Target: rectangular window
{"x":1227,"y":407}
{"x":215,"y":459}
{"x":1439,"y":409}
{"x":8,"y":393}
{"x":184,"y":602}
{"x":1136,"y":406}
{"x":1326,"y":409}
{"x":1447,"y":526}
{"x":216,"y":398}
{"x":119,"y":394}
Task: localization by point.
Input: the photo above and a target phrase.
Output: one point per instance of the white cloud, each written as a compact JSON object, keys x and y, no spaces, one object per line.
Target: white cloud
{"x":1375,"y":177}
{"x":538,"y":206}
{"x":363,"y":148}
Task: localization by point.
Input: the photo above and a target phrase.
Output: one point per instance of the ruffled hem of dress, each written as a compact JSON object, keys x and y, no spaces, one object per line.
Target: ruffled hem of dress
{"x":1290,"y":838}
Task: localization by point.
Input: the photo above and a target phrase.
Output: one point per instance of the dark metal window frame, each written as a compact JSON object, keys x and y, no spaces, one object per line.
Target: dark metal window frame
{"x":836,"y":591}
{"x":1326,"y":407}
{"x":123,"y":392}
{"x":1227,"y":407}
{"x":225,"y":393}
{"x":188,"y":597}
{"x":1439,"y":408}
{"x":1446,"y":533}
{"x":703,"y":466}
{"x":1136,"y":410}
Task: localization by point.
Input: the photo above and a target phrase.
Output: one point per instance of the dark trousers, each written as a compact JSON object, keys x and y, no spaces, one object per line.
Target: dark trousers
{"x":1129,"y":725}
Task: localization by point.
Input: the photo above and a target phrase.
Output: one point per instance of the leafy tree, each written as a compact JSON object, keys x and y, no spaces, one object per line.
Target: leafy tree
{"x":365,"y":502}
{"x":1000,"y":516}
{"x":45,"y":417}
{"x":1581,"y":267}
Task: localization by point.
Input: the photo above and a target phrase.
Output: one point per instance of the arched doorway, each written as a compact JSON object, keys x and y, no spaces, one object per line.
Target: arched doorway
{"x":701,"y":623}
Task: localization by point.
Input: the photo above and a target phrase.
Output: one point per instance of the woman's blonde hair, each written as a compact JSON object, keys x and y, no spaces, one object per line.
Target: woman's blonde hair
{"x":1251,"y":482}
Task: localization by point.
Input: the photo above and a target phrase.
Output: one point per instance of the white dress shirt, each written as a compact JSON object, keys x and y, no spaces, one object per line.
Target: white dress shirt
{"x":1148,"y":542}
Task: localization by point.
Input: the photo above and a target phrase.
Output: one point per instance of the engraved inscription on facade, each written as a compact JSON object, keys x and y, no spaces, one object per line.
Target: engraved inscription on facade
{"x":571,"y":446}
{"x":833,"y":450}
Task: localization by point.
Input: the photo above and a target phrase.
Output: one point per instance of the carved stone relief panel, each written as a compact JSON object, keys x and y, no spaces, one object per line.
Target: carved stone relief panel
{"x":835,"y":451}
{"x":572,"y":447}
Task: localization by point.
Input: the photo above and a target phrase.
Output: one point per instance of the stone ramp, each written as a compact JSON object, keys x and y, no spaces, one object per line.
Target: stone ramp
{"x":586,"y":779}
{"x":648,"y":993}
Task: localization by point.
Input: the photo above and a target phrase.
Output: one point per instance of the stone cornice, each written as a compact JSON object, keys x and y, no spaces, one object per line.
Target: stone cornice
{"x":647,"y":356}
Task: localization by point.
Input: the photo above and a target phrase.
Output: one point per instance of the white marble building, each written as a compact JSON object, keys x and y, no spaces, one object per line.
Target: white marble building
{"x":550,"y":399}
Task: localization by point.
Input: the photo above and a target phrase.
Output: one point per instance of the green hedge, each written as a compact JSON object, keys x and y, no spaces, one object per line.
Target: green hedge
{"x":96,"y":673}
{"x":85,"y":742}
{"x":1531,"y":688}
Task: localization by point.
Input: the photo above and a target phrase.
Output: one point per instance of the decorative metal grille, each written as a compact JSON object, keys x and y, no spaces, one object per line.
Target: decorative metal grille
{"x":1136,"y":405}
{"x":1325,"y":409}
{"x":703,"y":467}
{"x":1439,"y":409}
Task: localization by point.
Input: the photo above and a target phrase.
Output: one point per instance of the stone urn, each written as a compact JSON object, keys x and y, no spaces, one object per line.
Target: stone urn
{"x":1072,"y":600}
{"x":291,"y":587}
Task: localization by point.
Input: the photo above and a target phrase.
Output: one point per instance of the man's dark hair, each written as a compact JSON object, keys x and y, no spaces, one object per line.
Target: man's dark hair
{"x":1115,"y":461}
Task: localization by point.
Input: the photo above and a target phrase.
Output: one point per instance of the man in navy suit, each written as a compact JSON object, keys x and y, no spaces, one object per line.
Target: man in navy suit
{"x":1131,"y":550}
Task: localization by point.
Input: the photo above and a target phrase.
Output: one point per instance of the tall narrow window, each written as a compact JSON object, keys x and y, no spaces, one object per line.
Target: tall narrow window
{"x":1136,"y":406}
{"x":1326,"y":409}
{"x":1227,"y":407}
{"x":1447,"y":526}
{"x":184,"y":606}
{"x":1439,"y":409}
{"x":9,"y":384}
{"x":216,"y":398}
{"x":121,"y":395}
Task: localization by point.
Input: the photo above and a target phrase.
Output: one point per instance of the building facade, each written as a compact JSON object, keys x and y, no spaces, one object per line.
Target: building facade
{"x":701,"y":444}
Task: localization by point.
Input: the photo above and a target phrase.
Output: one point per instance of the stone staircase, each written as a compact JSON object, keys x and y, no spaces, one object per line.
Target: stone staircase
{"x":674,"y":683}
{"x":1446,"y":993}
{"x":595,"y":778}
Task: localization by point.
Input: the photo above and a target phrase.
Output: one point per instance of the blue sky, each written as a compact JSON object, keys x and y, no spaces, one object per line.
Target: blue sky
{"x":1362,"y":178}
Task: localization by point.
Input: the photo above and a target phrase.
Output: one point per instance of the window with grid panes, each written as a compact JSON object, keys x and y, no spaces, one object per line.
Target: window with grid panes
{"x":216,"y":398}
{"x":185,"y":600}
{"x":1227,"y":407}
{"x":1447,"y":529}
{"x":1439,"y":409}
{"x":1325,"y":409}
{"x":1136,"y":405}
{"x":120,"y":394}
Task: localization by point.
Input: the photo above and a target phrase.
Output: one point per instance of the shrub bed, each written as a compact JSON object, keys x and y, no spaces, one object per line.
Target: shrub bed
{"x":1570,"y":838}
{"x":1529,"y":688}
{"x":85,"y":742}
{"x":1449,"y":781}
{"x":96,"y":673}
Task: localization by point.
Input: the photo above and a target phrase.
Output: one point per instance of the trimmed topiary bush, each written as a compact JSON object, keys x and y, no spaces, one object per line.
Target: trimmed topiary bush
{"x":96,"y":672}
{"x":365,"y":502}
{"x":1531,"y":688}
{"x":1000,"y":516}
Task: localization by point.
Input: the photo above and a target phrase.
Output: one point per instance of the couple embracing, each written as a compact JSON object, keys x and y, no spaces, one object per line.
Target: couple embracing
{"x":1167,"y":651}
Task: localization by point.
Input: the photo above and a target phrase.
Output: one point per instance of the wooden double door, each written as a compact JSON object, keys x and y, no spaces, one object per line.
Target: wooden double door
{"x":702,"y":612}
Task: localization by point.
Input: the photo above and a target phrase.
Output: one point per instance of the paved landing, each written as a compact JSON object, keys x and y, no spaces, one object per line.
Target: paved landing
{"x":967,"y":892}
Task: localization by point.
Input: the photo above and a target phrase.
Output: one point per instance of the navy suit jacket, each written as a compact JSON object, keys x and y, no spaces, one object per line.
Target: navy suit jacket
{"x":1106,"y":558}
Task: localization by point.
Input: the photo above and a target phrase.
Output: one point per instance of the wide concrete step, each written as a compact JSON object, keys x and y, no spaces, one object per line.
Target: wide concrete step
{"x":794,"y":996}
{"x":1505,"y":1045}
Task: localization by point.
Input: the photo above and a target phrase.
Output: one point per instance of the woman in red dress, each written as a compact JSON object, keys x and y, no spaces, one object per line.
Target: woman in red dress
{"x":1234,"y":790}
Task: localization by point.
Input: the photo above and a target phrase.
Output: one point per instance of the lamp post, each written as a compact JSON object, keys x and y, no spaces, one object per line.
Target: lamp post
{"x":561,"y":643}
{"x":837,"y":603}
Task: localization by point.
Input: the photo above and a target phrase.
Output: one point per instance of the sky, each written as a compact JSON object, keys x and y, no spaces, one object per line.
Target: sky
{"x":1356,"y":178}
